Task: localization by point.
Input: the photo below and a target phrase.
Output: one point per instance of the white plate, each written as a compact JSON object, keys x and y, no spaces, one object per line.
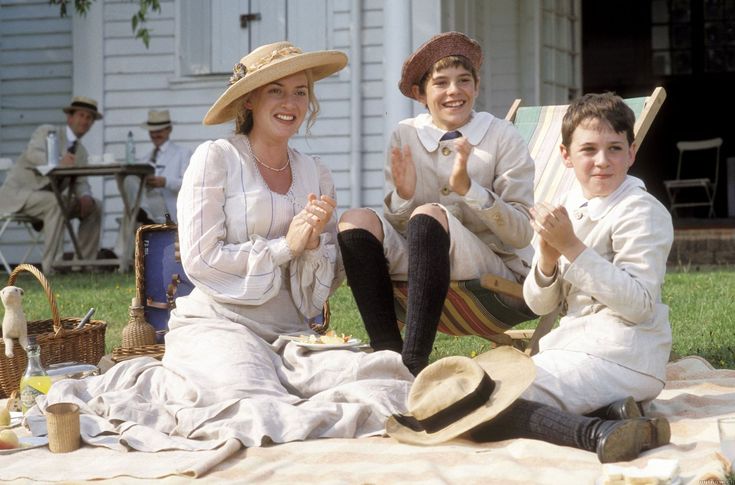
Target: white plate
{"x":675,"y":481}
{"x":351,"y":343}
{"x":26,"y":443}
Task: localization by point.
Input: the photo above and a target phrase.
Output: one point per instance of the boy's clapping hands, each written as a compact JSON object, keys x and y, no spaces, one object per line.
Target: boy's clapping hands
{"x":557,"y":237}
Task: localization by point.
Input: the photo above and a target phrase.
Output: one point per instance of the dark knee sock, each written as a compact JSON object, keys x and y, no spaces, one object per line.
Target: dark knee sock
{"x":428,"y":282}
{"x":367,"y":274}
{"x":529,"y":419}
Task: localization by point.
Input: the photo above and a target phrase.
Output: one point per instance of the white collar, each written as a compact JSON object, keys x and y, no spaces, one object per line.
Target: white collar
{"x":70,"y":137}
{"x":474,"y":130}
{"x":598,"y":207}
{"x":163,"y":146}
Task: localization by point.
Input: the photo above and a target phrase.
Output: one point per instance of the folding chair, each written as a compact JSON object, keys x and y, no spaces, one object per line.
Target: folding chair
{"x":705,"y":186}
{"x":474,"y":307}
{"x":8,"y":218}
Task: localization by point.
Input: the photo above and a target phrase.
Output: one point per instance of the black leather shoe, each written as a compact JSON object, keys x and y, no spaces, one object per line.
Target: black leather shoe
{"x":621,"y":409}
{"x":658,"y":433}
{"x":624,"y":440}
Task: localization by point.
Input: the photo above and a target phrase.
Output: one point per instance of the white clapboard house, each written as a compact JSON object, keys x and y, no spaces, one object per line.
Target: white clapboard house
{"x":531,"y":51}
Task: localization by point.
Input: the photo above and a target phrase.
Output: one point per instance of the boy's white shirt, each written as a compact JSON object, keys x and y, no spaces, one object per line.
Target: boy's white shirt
{"x":496,"y":207}
{"x":610,"y":293}
{"x":598,"y":207}
{"x":474,"y":130}
{"x":430,"y":135}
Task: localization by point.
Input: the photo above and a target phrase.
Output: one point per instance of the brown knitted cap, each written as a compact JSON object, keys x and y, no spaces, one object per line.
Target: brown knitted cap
{"x":438,"y":47}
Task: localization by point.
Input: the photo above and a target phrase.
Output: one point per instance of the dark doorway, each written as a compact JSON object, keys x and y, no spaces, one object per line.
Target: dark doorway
{"x":686,"y":46}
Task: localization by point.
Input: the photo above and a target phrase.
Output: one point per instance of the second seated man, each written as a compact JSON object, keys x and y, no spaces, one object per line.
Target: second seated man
{"x":158,"y":200}
{"x":170,"y":161}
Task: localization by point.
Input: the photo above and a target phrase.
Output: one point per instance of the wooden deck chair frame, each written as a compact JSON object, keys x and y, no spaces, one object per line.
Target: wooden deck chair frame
{"x":551,"y":182}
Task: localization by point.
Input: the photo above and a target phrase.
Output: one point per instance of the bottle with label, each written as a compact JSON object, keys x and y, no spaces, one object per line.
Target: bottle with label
{"x":52,"y":149}
{"x":35,"y":381}
{"x":130,"y":149}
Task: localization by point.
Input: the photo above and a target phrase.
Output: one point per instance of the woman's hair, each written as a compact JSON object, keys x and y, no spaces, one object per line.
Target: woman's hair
{"x":445,"y":62}
{"x":607,"y":107}
{"x":244,"y":116}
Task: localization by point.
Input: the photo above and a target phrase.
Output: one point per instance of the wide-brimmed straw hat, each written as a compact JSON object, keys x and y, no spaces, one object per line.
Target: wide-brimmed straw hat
{"x":438,"y":47}
{"x":82,"y":102}
{"x":266,"y":64}
{"x":455,"y":394}
{"x":157,"y":120}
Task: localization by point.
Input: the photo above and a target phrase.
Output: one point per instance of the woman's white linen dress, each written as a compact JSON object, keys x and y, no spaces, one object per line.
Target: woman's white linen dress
{"x":226,"y":374}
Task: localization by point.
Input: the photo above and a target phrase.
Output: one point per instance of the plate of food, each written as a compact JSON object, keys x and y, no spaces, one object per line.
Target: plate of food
{"x":9,"y":419}
{"x":328,"y":341}
{"x":11,"y":444}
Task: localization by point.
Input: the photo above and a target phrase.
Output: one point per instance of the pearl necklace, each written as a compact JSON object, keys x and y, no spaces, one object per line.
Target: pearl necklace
{"x":277,"y":170}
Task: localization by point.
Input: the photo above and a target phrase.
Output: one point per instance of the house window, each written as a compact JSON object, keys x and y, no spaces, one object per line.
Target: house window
{"x":719,"y":36}
{"x":689,"y":36}
{"x":671,"y":37}
{"x":215,"y":34}
{"x":560,"y":52}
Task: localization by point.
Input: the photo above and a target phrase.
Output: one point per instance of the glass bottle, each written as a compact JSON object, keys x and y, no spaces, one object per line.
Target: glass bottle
{"x":35,"y":381}
{"x":137,"y":332}
{"x":52,"y":149}
{"x":130,"y":148}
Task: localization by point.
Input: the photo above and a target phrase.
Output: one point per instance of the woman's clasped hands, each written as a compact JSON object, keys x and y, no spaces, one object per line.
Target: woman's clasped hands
{"x":308,"y":225}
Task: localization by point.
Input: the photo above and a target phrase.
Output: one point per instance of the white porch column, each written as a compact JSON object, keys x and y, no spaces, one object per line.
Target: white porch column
{"x":88,"y":68}
{"x":397,"y":45}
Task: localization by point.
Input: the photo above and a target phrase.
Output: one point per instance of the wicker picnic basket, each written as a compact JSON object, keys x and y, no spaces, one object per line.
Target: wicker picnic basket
{"x":59,"y":339}
{"x":137,"y":344}
{"x":159,"y":280}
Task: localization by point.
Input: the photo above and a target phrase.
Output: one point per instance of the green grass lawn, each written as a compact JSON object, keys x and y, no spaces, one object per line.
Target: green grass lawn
{"x":702,"y":306}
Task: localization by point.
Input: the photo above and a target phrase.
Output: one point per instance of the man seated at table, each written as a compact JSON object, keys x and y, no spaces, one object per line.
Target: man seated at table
{"x":170,"y":160}
{"x":28,"y":192}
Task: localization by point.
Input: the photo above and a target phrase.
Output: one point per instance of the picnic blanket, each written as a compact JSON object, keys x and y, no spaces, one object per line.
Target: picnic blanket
{"x":694,"y":397}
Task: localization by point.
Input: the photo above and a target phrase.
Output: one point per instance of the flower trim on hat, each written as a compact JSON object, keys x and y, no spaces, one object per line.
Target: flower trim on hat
{"x":239,"y":70}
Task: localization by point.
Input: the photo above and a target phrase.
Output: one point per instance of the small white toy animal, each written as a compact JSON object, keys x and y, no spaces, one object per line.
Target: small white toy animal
{"x":14,"y":320}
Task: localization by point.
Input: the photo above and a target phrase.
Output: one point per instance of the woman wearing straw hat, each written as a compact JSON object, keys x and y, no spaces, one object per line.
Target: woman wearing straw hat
{"x":257,"y":237}
{"x":256,"y":222}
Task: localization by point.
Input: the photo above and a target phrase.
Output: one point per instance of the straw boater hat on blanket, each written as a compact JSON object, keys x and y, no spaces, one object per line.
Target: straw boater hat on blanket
{"x":455,"y":394}
{"x":82,"y":102}
{"x":157,"y":120}
{"x":438,"y":47}
{"x":266,"y":64}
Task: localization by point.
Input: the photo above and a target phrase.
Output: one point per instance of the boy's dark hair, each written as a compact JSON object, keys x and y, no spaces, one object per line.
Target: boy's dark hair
{"x":607,"y":107}
{"x":445,"y":62}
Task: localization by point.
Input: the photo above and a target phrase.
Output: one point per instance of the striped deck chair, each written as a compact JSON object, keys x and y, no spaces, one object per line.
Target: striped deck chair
{"x":473,"y":307}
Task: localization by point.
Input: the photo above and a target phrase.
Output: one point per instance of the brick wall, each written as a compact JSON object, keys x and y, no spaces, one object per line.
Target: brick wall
{"x":703,"y":246}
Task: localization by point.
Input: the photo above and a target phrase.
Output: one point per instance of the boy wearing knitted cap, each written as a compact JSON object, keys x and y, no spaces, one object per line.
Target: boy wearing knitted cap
{"x":458,"y":190}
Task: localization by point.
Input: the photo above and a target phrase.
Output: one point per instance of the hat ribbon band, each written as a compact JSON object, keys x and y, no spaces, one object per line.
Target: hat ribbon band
{"x":461,"y":408}
{"x":155,"y":123}
{"x":80,"y":104}
{"x":450,"y":414}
